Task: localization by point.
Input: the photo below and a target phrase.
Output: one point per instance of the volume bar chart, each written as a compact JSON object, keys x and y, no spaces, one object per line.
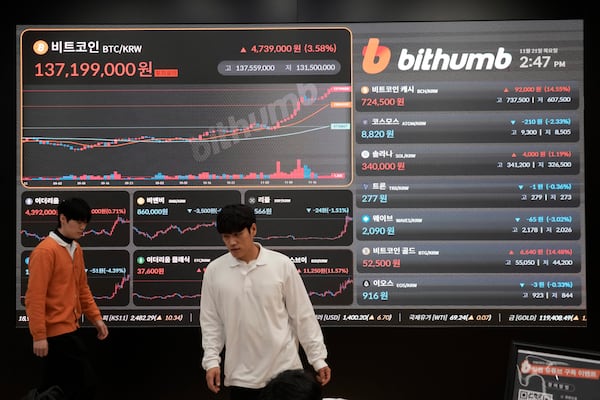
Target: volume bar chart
{"x":299,"y":172}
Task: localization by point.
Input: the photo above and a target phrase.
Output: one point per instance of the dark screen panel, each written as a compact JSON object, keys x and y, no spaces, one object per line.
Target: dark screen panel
{"x":547,"y":372}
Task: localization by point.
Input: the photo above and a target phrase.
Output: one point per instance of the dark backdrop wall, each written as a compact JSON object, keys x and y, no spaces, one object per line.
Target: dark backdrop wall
{"x":368,"y":363}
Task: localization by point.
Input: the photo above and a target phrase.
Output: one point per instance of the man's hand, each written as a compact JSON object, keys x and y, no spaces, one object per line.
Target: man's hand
{"x":324,"y":375}
{"x":102,"y":329}
{"x":213,"y":379}
{"x":40,"y":348}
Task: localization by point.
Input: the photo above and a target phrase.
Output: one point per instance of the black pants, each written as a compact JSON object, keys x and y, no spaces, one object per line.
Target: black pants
{"x":68,"y":365}
{"x":240,"y":393}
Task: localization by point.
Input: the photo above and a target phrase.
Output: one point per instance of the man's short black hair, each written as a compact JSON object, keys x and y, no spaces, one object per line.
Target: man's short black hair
{"x":75,"y":208}
{"x":292,"y":384}
{"x":235,"y":218}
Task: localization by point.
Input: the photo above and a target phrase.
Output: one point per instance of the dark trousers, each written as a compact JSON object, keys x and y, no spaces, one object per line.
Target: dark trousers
{"x":68,"y":365}
{"x":240,"y":393}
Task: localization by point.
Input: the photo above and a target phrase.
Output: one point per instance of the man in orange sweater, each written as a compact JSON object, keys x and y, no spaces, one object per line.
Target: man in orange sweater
{"x":57,"y":296}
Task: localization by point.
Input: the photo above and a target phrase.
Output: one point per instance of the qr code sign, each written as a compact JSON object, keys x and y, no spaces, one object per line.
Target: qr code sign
{"x":531,"y":395}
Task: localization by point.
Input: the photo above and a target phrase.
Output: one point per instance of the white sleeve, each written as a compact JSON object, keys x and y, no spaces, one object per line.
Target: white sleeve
{"x":211,"y":326}
{"x":303,"y":317}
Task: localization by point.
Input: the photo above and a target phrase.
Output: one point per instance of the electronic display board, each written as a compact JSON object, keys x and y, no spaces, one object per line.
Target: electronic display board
{"x":418,"y":174}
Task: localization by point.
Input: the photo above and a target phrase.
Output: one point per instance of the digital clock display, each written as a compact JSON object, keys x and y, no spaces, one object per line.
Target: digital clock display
{"x":535,"y":61}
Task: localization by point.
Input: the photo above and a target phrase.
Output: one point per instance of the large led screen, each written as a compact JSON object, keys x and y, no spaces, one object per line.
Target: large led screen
{"x":418,"y":174}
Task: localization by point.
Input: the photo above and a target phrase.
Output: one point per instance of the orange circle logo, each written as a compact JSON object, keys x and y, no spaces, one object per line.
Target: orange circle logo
{"x":40,"y":47}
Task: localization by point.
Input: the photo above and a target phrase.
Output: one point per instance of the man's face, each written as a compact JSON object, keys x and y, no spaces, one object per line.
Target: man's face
{"x":72,"y":229}
{"x":241,"y":244}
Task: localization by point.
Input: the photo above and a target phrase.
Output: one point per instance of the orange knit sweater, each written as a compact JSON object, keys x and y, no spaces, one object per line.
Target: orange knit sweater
{"x":57,"y":292}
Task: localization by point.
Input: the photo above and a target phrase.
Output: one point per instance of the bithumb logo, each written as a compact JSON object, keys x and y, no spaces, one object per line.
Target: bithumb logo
{"x":376,"y":58}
